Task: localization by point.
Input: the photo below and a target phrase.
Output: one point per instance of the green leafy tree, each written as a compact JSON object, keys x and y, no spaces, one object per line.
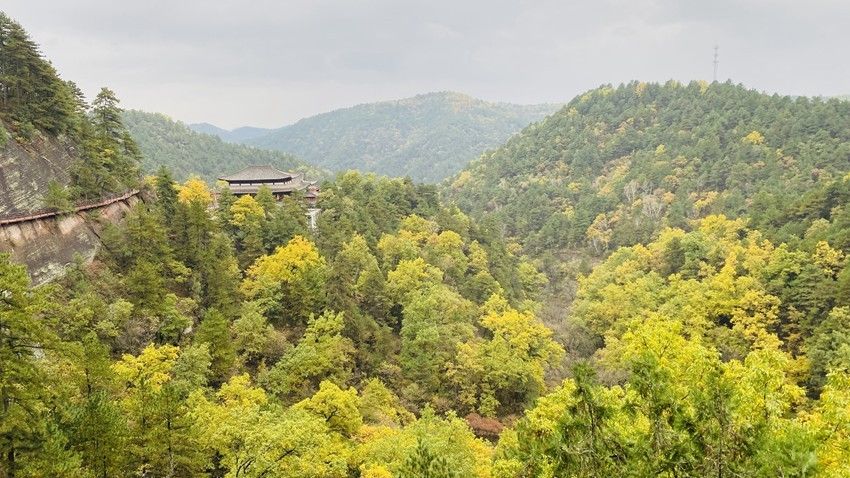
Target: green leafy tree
{"x":450,"y":443}
{"x":338,"y":407}
{"x":505,"y":373}
{"x":323,"y":353}
{"x":422,"y":463}
{"x":829,"y":345}
{"x":161,"y":440}
{"x":253,"y":335}
{"x":250,"y":437}
{"x":58,"y":198}
{"x":24,"y":332}
{"x":435,"y":320}
{"x":214,"y":331}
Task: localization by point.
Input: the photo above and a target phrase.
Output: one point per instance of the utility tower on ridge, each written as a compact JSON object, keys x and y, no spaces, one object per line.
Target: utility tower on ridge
{"x":716,"y":61}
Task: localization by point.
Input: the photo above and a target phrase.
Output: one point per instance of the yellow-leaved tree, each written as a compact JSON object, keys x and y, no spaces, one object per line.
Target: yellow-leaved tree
{"x":504,"y":373}
{"x":246,"y":211}
{"x":255,"y":438}
{"x":195,"y":190}
{"x":289,"y":283}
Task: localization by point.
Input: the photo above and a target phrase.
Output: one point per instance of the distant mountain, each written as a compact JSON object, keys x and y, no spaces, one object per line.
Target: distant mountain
{"x":237,"y":135}
{"x":245,"y":133}
{"x":185,"y":152}
{"x":617,"y":164}
{"x":428,"y":137}
{"x":206,"y":128}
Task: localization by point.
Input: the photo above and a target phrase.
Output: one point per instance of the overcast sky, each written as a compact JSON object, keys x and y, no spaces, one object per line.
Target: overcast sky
{"x":270,"y":63}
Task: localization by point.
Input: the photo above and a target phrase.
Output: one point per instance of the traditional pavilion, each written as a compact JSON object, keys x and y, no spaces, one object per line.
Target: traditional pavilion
{"x":281,"y":183}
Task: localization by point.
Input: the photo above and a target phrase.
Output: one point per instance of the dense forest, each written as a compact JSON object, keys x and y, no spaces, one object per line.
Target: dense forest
{"x":428,"y":137}
{"x":409,"y":337}
{"x":234,"y":339}
{"x":616,"y":165}
{"x":165,"y":142}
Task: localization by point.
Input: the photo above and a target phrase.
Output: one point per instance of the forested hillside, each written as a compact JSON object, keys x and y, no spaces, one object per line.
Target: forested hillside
{"x":209,"y":339}
{"x":45,"y":118}
{"x":205,"y":339}
{"x":169,"y":143}
{"x":428,"y":137}
{"x":616,"y":165}
{"x":220,"y":336}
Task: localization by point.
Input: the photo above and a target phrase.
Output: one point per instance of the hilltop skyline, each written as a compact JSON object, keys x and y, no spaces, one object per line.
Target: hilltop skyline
{"x":274,"y":64}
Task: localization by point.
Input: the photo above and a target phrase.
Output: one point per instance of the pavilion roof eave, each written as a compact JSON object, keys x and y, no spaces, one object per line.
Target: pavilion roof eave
{"x":258,"y":174}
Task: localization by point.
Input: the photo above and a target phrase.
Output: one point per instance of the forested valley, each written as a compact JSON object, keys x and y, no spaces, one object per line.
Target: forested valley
{"x":653,"y":281}
{"x":428,"y":137}
{"x":186,"y":153}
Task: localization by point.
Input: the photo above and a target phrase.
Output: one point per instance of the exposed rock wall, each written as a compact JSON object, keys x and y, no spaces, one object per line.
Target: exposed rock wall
{"x":26,"y":169}
{"x":47,"y":246}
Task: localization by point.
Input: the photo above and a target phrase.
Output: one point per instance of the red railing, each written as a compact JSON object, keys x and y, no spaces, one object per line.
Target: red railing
{"x":80,"y":206}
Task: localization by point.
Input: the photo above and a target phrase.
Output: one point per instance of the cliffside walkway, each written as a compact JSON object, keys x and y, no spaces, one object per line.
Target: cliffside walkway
{"x":81,"y":206}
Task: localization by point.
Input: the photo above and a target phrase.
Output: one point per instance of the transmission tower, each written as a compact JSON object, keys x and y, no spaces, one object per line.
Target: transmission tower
{"x":716,"y":61}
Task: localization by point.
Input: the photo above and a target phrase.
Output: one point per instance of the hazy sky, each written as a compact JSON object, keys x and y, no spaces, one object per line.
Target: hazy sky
{"x":269,"y":63}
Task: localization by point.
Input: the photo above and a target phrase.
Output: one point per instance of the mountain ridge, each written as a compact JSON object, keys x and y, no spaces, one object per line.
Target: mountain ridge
{"x":617,"y":163}
{"x":234,"y":135}
{"x":166,"y":142}
{"x":428,"y":137}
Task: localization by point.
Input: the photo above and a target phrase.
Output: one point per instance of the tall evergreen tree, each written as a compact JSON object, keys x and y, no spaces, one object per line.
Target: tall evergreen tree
{"x":31,"y":93}
{"x":166,"y":195}
{"x":215,"y":331}
{"x":422,"y":463}
{"x":24,"y":428}
{"x":106,"y":116}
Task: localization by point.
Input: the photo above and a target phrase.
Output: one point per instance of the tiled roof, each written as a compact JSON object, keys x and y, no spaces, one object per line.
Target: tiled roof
{"x":258,"y":173}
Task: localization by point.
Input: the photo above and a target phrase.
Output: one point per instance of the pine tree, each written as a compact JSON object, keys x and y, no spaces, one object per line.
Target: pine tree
{"x":194,"y":228}
{"x":166,"y":196}
{"x":266,"y":199}
{"x":226,"y":198}
{"x":106,"y":117}
{"x":23,"y":334}
{"x":58,"y":198}
{"x":215,"y":331}
{"x":251,"y":244}
{"x":285,"y":221}
{"x":98,"y":429}
{"x":422,"y":463}
{"x":31,"y":93}
{"x":220,"y":276}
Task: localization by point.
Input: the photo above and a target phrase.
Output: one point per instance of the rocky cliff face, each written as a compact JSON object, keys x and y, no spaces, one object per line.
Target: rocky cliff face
{"x":27,"y":168}
{"x":47,"y":246}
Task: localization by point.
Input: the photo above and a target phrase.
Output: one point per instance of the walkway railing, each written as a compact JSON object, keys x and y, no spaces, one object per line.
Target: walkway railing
{"x":80,"y":206}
